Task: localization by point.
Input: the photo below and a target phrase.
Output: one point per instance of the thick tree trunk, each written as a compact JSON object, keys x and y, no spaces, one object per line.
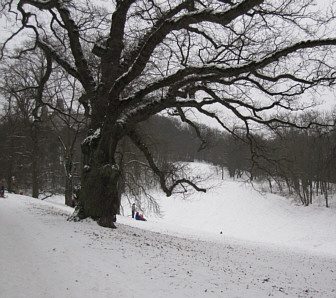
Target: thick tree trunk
{"x":99,"y":197}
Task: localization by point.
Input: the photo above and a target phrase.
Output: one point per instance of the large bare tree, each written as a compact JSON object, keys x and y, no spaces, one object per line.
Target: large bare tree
{"x":252,"y":59}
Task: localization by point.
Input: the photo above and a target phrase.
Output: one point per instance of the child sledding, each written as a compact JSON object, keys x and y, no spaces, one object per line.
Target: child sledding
{"x":139,"y":217}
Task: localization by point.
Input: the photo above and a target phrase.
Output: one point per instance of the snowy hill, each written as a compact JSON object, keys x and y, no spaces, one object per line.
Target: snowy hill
{"x":230,"y":242}
{"x":235,"y":209}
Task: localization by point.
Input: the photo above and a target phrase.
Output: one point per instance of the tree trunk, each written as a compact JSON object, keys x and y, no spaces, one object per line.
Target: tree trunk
{"x":311,"y":192}
{"x":68,"y":190}
{"x":324,"y":190}
{"x":35,"y":169}
{"x":35,"y":181}
{"x":68,"y":180}
{"x":99,"y":197}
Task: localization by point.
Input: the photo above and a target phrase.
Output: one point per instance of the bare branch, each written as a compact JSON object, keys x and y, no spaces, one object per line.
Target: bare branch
{"x":162,"y":179}
{"x":198,"y":133}
{"x":159,"y":33}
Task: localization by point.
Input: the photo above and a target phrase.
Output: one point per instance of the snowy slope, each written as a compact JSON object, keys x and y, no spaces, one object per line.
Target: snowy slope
{"x":268,"y":247}
{"x":236,"y":210}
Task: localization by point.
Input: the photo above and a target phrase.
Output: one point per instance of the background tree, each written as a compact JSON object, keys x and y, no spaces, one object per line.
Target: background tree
{"x":69,"y":124}
{"x":43,"y":109}
{"x":12,"y":153}
{"x":306,"y":160}
{"x":23,"y":83}
{"x":250,"y":58}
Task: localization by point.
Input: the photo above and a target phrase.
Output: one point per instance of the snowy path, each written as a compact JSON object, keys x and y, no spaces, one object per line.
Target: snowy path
{"x":43,"y":255}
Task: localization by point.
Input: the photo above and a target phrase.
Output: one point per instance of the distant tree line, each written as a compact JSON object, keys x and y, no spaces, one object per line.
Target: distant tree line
{"x":32,"y":157}
{"x":303,"y":163}
{"x":297,"y":161}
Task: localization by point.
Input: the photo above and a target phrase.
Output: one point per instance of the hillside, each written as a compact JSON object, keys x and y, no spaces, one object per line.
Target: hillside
{"x":236,"y":209}
{"x":269,"y":246}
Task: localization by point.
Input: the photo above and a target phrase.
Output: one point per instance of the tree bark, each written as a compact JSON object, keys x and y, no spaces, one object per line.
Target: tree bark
{"x":35,"y":168}
{"x":68,"y":183}
{"x":99,"y":197}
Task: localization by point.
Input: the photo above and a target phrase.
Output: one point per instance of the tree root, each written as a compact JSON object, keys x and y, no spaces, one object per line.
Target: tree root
{"x":107,"y":222}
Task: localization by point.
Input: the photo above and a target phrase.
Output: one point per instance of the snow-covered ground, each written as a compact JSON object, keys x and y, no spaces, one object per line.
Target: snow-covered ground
{"x":230,"y":242}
